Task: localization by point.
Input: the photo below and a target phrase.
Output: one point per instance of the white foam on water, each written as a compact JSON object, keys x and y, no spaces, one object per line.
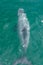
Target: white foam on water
{"x":23,"y":23}
{"x":42,"y":21}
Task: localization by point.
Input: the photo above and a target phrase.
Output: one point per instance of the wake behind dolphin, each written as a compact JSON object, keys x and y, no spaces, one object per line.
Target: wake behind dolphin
{"x":24,"y":28}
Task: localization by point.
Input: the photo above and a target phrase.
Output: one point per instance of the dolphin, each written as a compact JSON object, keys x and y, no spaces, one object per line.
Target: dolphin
{"x":23,"y":28}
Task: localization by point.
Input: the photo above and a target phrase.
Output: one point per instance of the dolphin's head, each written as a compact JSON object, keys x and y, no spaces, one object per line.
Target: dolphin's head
{"x":20,"y":11}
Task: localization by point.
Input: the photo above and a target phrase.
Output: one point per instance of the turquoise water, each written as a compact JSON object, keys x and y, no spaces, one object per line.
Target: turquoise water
{"x":9,"y":39}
